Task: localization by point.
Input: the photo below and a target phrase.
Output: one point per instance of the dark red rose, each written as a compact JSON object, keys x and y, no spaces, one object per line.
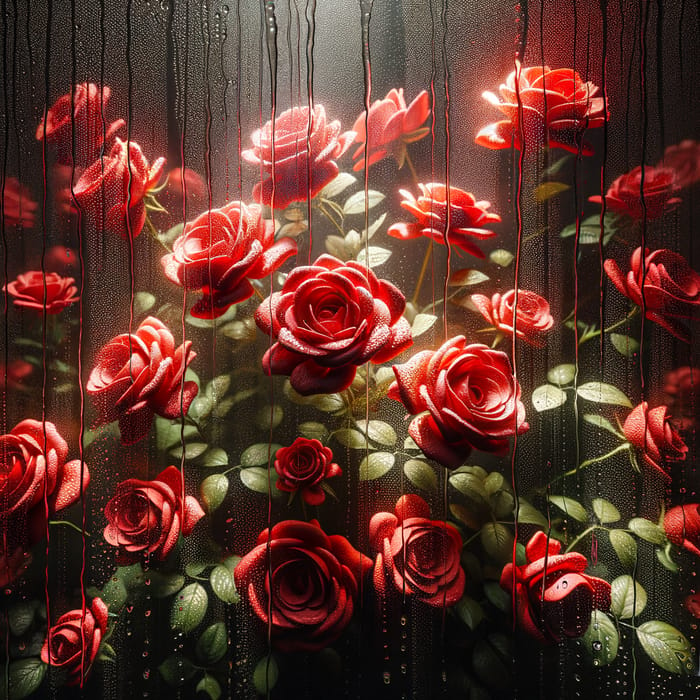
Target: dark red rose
{"x":305,"y":154}
{"x":466,"y":220}
{"x":416,"y":556}
{"x":330,"y":318}
{"x":28,"y":291}
{"x":12,"y":564}
{"x":651,"y":432}
{"x":555,"y":104}
{"x":111,"y":191}
{"x":314,"y":579}
{"x":84,"y":118}
{"x":682,"y":395}
{"x":15,"y":374}
{"x":390,"y":125}
{"x":147,"y":517}
{"x":183,"y":186}
{"x":625,"y":193}
{"x":18,"y":207}
{"x":467,"y":397}
{"x":59,"y":258}
{"x":671,"y":287}
{"x":221,"y":251}
{"x":554,"y":598}
{"x":692,"y":604}
{"x":684,"y":160}
{"x":303,"y":466}
{"x":533,"y":318}
{"x":73,"y":642}
{"x":139,"y":375}
{"x":682,"y":526}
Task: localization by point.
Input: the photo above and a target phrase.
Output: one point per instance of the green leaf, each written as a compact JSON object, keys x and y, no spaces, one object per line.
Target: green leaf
{"x":421,"y":475}
{"x":258,"y":454}
{"x":143,"y":301}
{"x":170,"y":433}
{"x":601,"y":422}
{"x":605,"y":511}
{"x":667,"y":647}
{"x":328,"y":403}
{"x":192,"y":450}
{"x":497,"y":541}
{"x":212,"y":644}
{"x":351,"y":438}
{"x":410,"y":444}
{"x":466,"y":278}
{"x":547,"y":190}
{"x":373,"y":256}
{"x":467,"y":516}
{"x":20,"y":618}
{"x":562,"y":375}
{"x":340,"y":183}
{"x":255,"y":479}
{"x":209,"y":686}
{"x":628,"y":597}
{"x":189,"y":608}
{"x":493,"y":483}
{"x":164,"y":585}
{"x":470,"y":612}
{"x":501,"y":257}
{"x":177,"y":670}
{"x":355,"y":204}
{"x":265,"y":675}
{"x":601,"y":640}
{"x":664,"y":557}
{"x":376,"y":465}
{"x":223,"y":584}
{"x":589,"y":230}
{"x":570,"y":507}
{"x":213,"y":491}
{"x":497,"y":596}
{"x":213,"y":457}
{"x":25,"y":675}
{"x":373,"y":227}
{"x":314,"y":431}
{"x":218,"y":386}
{"x":422,"y":323}
{"x":470,"y":485}
{"x":529,"y":515}
{"x":209,"y":323}
{"x":547,"y":397}
{"x":556,"y":167}
{"x":600,"y":392}
{"x":379,"y":431}
{"x":269,"y":417}
{"x":114,"y":593}
{"x":626,"y":346}
{"x":647,"y":530}
{"x":625,"y":547}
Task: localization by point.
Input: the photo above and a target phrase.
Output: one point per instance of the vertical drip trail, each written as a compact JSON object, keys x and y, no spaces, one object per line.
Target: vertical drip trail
{"x":310,"y":38}
{"x":227,"y":81}
{"x":239,"y":127}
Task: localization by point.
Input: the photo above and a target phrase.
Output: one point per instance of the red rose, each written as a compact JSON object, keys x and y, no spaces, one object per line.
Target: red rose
{"x":221,"y":251}
{"x":139,"y":375}
{"x":625,"y":193}
{"x":303,"y":466}
{"x":555,"y":104}
{"x":15,"y":374}
{"x":305,"y":155}
{"x":682,"y":395}
{"x":682,"y":526}
{"x":692,"y":604}
{"x":533,"y":319}
{"x":28,"y":291}
{"x":684,"y":160}
{"x":467,"y":218}
{"x":390,"y":125}
{"x":84,"y":118}
{"x":471,"y":398}
{"x":671,"y":287}
{"x":185,"y":192}
{"x":418,"y":557}
{"x":147,"y":517}
{"x":314,"y":579}
{"x":554,"y":598}
{"x":650,"y":431}
{"x":330,"y":318}
{"x":18,"y":207}
{"x":112,"y":190}
{"x":73,"y":642}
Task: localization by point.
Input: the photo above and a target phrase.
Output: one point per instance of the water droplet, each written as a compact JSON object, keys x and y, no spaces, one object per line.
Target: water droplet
{"x":386,"y":677}
{"x":597,"y":646}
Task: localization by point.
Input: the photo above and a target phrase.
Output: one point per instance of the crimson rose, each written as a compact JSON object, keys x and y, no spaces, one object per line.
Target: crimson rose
{"x":684,"y":159}
{"x":467,"y":396}
{"x":307,"y":580}
{"x":682,"y":395}
{"x":28,"y":291}
{"x":303,"y":466}
{"x":18,"y":207}
{"x":682,"y":525}
{"x":328,"y":319}
{"x":554,"y":598}
{"x":138,"y":375}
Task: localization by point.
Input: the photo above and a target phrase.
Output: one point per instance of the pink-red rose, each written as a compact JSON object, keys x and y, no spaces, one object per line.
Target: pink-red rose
{"x":532,"y":316}
{"x":111,"y":191}
{"x":18,"y":207}
{"x":328,"y":319}
{"x":671,"y":288}
{"x":303,"y":466}
{"x":624,"y":196}
{"x":145,"y":518}
{"x":73,"y":642}
{"x":140,"y":374}
{"x":682,"y":395}
{"x":416,"y":556}
{"x":684,"y":159}
{"x":308,"y":581}
{"x":43,"y":291}
{"x":555,"y":104}
{"x":221,"y":251}
{"x":467,"y":397}
{"x":682,"y":526}
{"x":390,"y":125}
{"x":465,"y":224}
{"x":554,"y":597}
{"x":305,"y":150}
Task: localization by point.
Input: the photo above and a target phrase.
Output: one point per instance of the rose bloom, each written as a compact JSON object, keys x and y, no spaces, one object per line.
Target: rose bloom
{"x":556,"y":105}
{"x":651,"y":432}
{"x":391,"y":125}
{"x":73,"y":642}
{"x":671,"y":287}
{"x":554,"y":598}
{"x":147,"y":517}
{"x":625,"y":194}
{"x":28,"y":291}
{"x":303,"y":466}
{"x":682,"y":395}
{"x":467,"y":397}
{"x":184,"y":186}
{"x":466,"y":221}
{"x":682,"y":526}
{"x":15,"y":374}
{"x":221,"y":251}
{"x":140,"y":374}
{"x":305,"y":151}
{"x":533,"y":319}
{"x":111,"y":191}
{"x":18,"y":207}
{"x":314,"y":579}
{"x":416,"y":556}
{"x":83,"y":117}
{"x":684,"y":160}
{"x":328,"y":319}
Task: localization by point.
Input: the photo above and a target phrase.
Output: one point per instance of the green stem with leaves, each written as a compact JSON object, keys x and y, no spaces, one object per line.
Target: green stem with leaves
{"x":595,"y":333}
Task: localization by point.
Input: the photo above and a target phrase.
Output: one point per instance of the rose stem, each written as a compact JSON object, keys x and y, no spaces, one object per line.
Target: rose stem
{"x":617,"y":324}
{"x":423,"y":269}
